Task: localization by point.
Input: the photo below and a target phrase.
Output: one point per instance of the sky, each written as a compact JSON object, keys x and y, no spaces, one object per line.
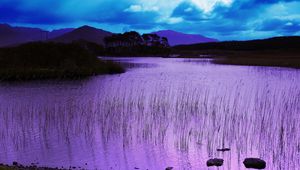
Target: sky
{"x":221,"y":19}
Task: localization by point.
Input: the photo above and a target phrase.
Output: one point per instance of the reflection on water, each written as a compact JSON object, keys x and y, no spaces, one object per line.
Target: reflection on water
{"x":174,"y":114}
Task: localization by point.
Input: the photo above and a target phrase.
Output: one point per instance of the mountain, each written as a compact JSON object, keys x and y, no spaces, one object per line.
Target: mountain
{"x":10,"y":35}
{"x":178,"y":38}
{"x":59,"y":32}
{"x":16,"y":35}
{"x":86,"y":33}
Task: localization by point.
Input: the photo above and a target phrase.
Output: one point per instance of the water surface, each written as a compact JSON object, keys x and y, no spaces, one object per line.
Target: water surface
{"x":160,"y":113}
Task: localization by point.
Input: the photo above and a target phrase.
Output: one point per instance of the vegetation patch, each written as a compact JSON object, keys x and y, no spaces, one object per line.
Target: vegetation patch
{"x":278,"y":51}
{"x":133,"y":44}
{"x":44,"y":60}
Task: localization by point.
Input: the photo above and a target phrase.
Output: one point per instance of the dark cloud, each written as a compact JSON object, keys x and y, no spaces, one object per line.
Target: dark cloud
{"x":240,"y":19}
{"x":223,"y":21}
{"x":189,"y":12}
{"x":281,"y":26}
{"x":135,"y":19}
{"x":16,"y":12}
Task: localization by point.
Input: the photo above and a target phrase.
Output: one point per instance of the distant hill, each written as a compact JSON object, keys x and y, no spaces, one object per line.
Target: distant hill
{"x":10,"y":35}
{"x":275,"y":43}
{"x":178,"y":38}
{"x":16,"y":35}
{"x":85,"y":33}
{"x":59,"y":32}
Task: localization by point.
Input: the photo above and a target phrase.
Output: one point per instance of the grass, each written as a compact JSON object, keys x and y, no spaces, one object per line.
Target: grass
{"x":259,"y":58}
{"x":277,"y":51}
{"x":256,"y":117}
{"x":280,"y":58}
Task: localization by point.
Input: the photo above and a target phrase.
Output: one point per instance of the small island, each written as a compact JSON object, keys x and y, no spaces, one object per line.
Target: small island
{"x":49,"y":60}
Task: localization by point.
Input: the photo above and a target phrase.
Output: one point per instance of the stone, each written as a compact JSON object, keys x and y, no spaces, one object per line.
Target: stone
{"x":223,"y":149}
{"x":215,"y":162}
{"x":255,"y":163}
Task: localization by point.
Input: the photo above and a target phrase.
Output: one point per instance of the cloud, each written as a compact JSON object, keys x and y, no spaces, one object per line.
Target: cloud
{"x":280,"y":25}
{"x":222,"y":19}
{"x":134,"y":8}
{"x":139,"y":8}
{"x":174,"y":20}
{"x":188,"y":9}
{"x":242,"y":19}
{"x":208,"y":6}
{"x":189,"y":12}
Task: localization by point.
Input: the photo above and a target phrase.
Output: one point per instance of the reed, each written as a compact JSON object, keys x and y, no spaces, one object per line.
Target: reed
{"x":260,"y":120}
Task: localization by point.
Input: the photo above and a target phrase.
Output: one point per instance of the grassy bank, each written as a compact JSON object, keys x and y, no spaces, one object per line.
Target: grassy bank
{"x":41,"y":60}
{"x":17,"y":166}
{"x":277,"y":58}
{"x":278,"y":51}
{"x":6,"y":167}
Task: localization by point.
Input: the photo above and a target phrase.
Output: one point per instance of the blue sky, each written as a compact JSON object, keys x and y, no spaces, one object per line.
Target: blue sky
{"x":221,"y":19}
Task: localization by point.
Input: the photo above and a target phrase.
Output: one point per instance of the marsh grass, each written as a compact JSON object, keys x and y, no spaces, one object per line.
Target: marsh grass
{"x":261,"y":120}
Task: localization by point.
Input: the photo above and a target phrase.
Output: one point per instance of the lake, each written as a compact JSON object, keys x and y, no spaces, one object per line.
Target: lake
{"x":160,"y":113}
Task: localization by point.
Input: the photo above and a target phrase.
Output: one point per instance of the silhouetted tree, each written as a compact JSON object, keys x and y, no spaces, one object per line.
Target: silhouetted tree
{"x":133,"y":44}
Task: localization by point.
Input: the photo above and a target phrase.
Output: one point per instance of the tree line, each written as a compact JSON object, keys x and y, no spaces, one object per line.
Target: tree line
{"x":133,"y":44}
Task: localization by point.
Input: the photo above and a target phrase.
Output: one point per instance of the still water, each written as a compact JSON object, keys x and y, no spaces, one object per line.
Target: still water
{"x":160,"y":113}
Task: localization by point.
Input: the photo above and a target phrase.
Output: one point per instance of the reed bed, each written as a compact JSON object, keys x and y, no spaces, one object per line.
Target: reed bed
{"x":259,"y":119}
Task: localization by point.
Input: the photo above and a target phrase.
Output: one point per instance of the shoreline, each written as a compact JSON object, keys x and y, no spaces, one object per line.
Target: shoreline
{"x":33,"y":166}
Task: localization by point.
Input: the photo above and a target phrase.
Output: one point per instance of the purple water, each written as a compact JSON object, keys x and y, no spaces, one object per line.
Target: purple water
{"x":160,"y":113}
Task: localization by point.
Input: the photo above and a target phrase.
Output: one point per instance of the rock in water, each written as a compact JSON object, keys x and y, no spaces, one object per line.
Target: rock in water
{"x":215,"y":162}
{"x":169,"y":168}
{"x":223,"y":149}
{"x":255,"y":163}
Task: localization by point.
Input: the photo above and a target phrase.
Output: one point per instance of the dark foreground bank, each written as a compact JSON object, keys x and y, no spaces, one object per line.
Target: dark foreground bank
{"x":41,"y":60}
{"x":17,"y":166}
